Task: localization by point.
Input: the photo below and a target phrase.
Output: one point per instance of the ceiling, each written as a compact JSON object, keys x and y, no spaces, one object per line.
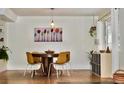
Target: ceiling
{"x":59,"y":11}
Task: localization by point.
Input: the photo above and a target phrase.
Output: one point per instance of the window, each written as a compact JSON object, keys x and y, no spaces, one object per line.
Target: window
{"x":108,"y":35}
{"x":1,"y":36}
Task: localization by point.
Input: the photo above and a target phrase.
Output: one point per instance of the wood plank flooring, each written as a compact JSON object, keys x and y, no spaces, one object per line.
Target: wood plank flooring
{"x":77,"y":77}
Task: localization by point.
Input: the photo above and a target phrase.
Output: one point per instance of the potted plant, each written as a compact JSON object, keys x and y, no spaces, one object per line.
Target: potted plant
{"x":90,"y":56}
{"x":3,"y":58}
{"x":92,"y":31}
{"x":3,"y":53}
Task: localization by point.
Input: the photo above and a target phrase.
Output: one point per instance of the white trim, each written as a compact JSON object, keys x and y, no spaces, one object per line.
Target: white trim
{"x":105,"y":17}
{"x":7,"y":15}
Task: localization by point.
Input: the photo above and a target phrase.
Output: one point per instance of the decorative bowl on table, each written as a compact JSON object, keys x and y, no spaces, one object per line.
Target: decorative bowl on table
{"x":49,"y":52}
{"x":102,"y":51}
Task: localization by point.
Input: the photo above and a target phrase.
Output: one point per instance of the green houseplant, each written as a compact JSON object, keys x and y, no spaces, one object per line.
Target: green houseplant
{"x":90,"y":56}
{"x":3,"y":53}
{"x":92,"y":31}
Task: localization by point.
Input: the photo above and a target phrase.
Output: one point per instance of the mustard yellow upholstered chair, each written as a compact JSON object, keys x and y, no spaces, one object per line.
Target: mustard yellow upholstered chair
{"x":37,"y":59}
{"x":68,"y":64}
{"x":62,"y":59}
{"x":33,"y":64}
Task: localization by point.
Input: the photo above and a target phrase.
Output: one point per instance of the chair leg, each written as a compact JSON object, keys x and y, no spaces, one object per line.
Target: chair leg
{"x":25,"y":70}
{"x":63,"y":69}
{"x":49,"y":70}
{"x":68,"y":72}
{"x":42,"y":67}
{"x":68,"y":69}
{"x":32,"y":73}
{"x":57,"y":73}
{"x":69,"y":65}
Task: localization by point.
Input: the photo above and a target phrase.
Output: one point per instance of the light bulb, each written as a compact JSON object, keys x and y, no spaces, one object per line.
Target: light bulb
{"x":52,"y":24}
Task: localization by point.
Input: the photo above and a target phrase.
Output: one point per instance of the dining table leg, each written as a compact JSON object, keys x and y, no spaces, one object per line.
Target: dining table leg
{"x":46,"y":63}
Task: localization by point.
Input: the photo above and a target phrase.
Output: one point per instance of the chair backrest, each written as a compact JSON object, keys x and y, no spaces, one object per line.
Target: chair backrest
{"x":36,"y":59}
{"x":29,"y":58}
{"x":68,"y":56}
{"x":62,"y":58}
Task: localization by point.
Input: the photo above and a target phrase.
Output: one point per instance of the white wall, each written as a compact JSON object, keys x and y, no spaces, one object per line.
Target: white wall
{"x":76,"y":39}
{"x":121,"y":27}
{"x":115,"y":39}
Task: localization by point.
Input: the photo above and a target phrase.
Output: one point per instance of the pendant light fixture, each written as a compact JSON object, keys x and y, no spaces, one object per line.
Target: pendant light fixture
{"x":93,"y":29}
{"x":52,"y":22}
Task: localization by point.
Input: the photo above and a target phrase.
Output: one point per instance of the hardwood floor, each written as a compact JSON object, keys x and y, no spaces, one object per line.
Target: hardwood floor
{"x":77,"y":77}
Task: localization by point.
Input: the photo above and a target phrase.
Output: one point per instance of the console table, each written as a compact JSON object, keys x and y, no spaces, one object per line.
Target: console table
{"x":102,"y":64}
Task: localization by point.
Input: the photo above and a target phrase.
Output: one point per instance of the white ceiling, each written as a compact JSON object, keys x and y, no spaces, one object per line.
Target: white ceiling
{"x":59,"y":11}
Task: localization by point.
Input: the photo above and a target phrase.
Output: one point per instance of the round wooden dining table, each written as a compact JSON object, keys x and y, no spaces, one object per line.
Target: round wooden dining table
{"x":47,"y":58}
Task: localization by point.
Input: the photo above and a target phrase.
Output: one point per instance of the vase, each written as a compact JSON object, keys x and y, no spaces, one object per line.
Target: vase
{"x":108,"y":50}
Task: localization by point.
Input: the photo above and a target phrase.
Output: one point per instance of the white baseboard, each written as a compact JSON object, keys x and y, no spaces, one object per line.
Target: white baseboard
{"x":2,"y":68}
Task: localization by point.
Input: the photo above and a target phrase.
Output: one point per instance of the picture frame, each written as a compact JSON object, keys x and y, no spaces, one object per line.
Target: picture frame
{"x":42,"y":34}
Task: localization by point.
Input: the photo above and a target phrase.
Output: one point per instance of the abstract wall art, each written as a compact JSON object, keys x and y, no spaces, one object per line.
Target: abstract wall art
{"x":48,"y":34}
